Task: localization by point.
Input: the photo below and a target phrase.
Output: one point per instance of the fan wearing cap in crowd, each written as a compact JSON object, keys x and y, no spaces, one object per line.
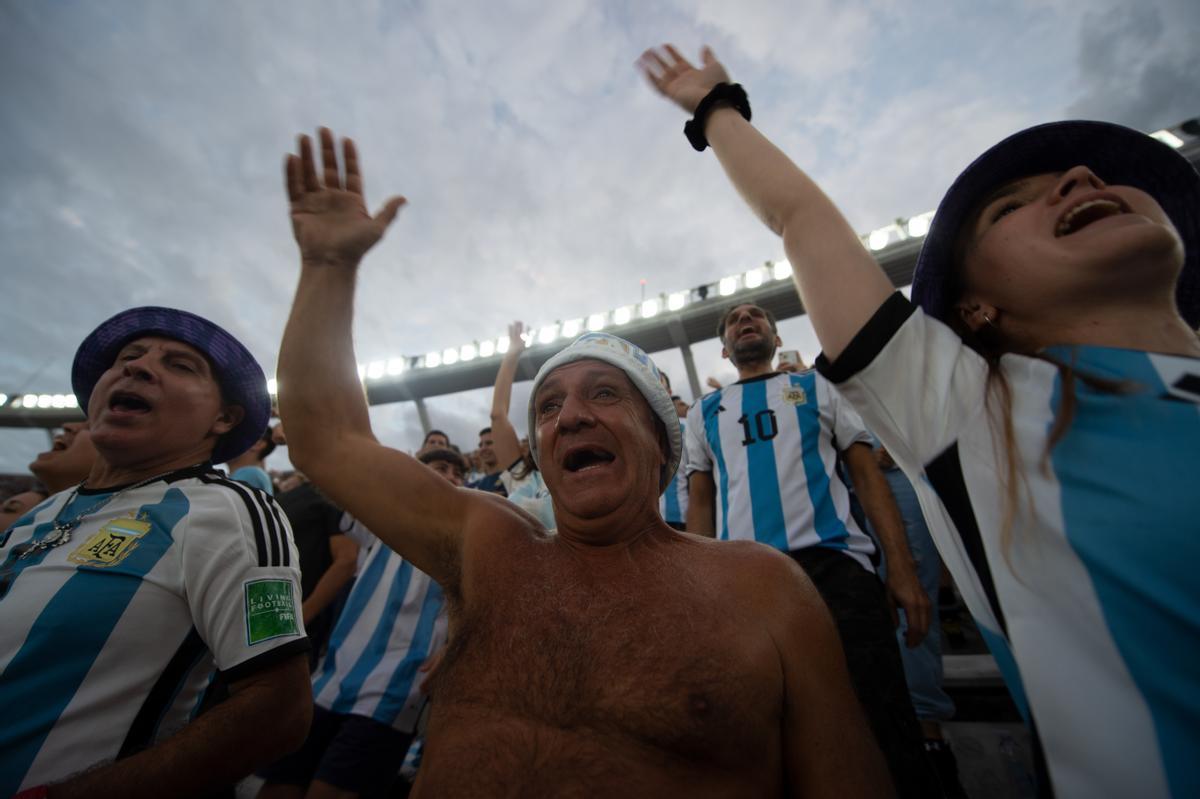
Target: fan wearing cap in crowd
{"x":1041,"y":394}
{"x":118,"y":597}
{"x":773,"y":441}
{"x":618,"y":656}
{"x":69,"y":459}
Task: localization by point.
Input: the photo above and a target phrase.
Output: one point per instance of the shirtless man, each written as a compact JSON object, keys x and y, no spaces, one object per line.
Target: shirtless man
{"x":619,"y":656}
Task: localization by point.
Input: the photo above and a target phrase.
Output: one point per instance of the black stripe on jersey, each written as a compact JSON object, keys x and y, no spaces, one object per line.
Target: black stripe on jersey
{"x":158,"y":701}
{"x":946,"y":477}
{"x":869,"y":341}
{"x":279,"y":547}
{"x":283,"y":536}
{"x":260,"y":539}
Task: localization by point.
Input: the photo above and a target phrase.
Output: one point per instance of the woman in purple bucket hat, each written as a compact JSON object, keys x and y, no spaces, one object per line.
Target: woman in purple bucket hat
{"x":1042,"y":392}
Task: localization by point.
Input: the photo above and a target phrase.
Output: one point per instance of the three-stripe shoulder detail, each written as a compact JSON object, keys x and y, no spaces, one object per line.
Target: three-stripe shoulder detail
{"x":269,"y":537}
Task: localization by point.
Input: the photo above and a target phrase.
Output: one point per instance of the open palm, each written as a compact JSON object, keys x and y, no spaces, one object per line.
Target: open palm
{"x":675,"y":78}
{"x":329,"y":214}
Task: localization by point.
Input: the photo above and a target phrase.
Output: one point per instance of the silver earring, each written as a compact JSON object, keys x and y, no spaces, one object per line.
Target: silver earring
{"x":987,"y":319}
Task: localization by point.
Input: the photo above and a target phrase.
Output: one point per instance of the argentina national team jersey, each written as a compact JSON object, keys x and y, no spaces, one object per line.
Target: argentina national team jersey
{"x":108,"y":640}
{"x":393,"y":620}
{"x":673,"y":504}
{"x":1090,"y":600}
{"x":772,"y":444}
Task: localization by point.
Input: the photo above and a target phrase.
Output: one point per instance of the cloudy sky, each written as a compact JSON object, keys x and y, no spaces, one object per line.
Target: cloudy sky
{"x":143,"y":143}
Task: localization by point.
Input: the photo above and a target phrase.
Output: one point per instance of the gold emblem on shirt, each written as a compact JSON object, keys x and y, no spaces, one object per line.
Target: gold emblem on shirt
{"x":112,"y":543}
{"x":794,"y":395}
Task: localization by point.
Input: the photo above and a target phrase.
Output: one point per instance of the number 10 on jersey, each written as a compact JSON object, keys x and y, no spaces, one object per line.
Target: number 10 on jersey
{"x":763,"y":423}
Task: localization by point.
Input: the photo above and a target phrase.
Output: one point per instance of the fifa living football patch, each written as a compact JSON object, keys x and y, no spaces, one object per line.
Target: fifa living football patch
{"x":270,"y":610}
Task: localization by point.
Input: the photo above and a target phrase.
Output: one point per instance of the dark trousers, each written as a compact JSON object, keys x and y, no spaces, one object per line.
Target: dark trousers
{"x":858,"y":603}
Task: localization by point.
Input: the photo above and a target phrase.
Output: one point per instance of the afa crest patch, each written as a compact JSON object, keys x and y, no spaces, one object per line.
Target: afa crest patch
{"x":270,"y":610}
{"x":112,"y":543}
{"x":795,"y":395}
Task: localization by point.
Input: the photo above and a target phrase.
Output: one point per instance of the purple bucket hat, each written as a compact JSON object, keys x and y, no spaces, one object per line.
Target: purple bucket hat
{"x":1118,"y":155}
{"x":239,"y":375}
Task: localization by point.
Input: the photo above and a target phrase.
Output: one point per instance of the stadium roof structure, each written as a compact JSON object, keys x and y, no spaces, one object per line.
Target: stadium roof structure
{"x":669,"y":320}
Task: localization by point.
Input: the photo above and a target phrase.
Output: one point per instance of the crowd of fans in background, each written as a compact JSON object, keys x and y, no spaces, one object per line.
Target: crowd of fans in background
{"x":643,"y":595}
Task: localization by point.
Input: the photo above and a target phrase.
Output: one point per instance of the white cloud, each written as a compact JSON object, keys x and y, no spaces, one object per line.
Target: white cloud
{"x":544,"y":178}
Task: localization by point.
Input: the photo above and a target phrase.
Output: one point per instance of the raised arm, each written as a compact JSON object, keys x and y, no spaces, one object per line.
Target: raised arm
{"x":410,"y":508}
{"x":840,"y":285}
{"x":505,"y":442}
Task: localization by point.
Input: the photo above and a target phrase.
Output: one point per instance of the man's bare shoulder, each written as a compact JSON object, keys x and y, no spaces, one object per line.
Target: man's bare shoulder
{"x":495,"y":531}
{"x":758,"y":571}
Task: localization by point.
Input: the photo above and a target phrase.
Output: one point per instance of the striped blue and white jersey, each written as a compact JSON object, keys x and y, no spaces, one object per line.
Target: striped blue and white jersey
{"x":772,"y":444}
{"x":530,"y":494}
{"x":1089,"y":598}
{"x":108,"y":640}
{"x":673,"y":504}
{"x":393,"y":620}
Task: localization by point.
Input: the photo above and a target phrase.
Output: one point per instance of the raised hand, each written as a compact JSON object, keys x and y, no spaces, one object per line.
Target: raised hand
{"x":516,"y":339}
{"x":329,"y":215}
{"x":674,"y":77}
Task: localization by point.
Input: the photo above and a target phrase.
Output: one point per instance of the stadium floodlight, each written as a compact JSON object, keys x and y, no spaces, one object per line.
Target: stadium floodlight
{"x":650,"y":308}
{"x":59,"y":401}
{"x":571,"y":328}
{"x":781,"y":270}
{"x":879,"y":238}
{"x":502,"y":345}
{"x":676,"y":301}
{"x":395,"y":366}
{"x":466,"y":352}
{"x":548,"y":334}
{"x":595,"y":322}
{"x":918,"y":225}
{"x":3,"y":399}
{"x":29,"y":400}
{"x":272,"y":386}
{"x":362,"y":371}
{"x":727,"y":286}
{"x":433,"y":359}
{"x":487,"y":348}
{"x":754,"y":278}
{"x":72,"y":402}
{"x":450,"y":356}
{"x":45,"y":400}
{"x":18,"y":402}
{"x":1168,"y":138}
{"x":375,"y":369}
{"x":622,"y":315}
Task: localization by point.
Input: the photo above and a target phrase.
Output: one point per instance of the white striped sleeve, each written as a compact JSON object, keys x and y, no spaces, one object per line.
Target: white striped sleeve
{"x":912,"y":379}
{"x":242,"y":577}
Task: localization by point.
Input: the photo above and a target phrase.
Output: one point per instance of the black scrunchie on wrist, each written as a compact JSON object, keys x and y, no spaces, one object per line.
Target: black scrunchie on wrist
{"x":731,"y":94}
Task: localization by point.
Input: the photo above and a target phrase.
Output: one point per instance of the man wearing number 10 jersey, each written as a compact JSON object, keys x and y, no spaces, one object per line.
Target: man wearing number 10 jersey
{"x":762,"y":462}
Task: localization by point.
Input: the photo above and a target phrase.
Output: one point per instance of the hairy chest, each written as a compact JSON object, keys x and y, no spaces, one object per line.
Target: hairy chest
{"x":668,"y":666}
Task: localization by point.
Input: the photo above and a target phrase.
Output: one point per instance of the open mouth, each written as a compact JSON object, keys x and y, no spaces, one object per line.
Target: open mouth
{"x":127,"y":402}
{"x":584,"y":458}
{"x":1087,"y":212}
